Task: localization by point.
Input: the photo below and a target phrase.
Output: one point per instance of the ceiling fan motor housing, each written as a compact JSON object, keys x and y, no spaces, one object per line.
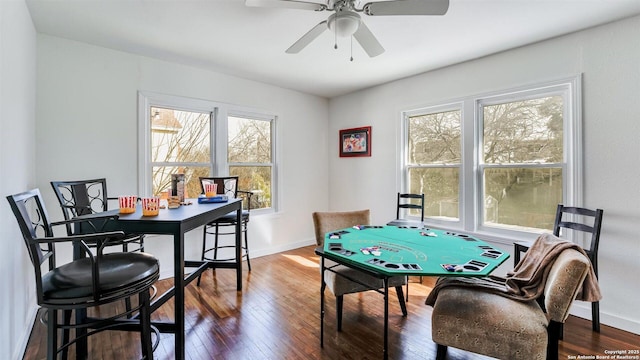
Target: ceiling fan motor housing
{"x":344,"y":23}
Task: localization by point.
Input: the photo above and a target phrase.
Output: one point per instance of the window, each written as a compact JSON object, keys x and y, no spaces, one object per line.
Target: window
{"x":203,"y":138}
{"x":434,"y":159}
{"x":522,"y":161}
{"x":497,"y":163}
{"x":250,"y":156}
{"x":180,"y":144}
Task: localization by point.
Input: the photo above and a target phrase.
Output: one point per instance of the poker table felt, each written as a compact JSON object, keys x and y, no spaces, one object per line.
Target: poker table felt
{"x":391,"y":251}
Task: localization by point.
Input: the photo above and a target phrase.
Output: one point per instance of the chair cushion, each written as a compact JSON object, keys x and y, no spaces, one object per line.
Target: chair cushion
{"x":489,"y":324}
{"x":119,"y":272}
{"x":230,"y":218}
{"x":339,"y":285}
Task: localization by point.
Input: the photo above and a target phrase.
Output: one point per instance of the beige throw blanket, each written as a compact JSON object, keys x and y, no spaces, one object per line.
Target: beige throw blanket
{"x":526,"y":281}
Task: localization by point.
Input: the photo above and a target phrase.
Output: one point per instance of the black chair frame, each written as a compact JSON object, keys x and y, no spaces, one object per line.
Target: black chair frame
{"x":405,"y":202}
{"x":226,"y":185}
{"x":84,"y":283}
{"x":84,"y":197}
{"x":408,"y":202}
{"x":592,"y":251}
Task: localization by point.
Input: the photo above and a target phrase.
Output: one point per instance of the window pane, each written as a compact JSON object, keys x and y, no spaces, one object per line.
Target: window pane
{"x":249,"y":140}
{"x":440,"y":188}
{"x":180,"y":136}
{"x":525,"y":197}
{"x":525,"y":131}
{"x":434,"y":138}
{"x":162,"y":179}
{"x":256,"y":179}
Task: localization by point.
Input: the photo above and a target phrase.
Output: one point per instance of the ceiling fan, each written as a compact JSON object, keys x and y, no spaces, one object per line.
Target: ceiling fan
{"x":346,"y":21}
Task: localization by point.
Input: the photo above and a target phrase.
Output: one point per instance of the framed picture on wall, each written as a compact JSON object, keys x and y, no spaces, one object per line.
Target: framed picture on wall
{"x":355,"y":142}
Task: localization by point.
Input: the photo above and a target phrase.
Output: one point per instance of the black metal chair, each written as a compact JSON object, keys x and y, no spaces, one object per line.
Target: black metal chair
{"x":83,"y":197}
{"x":584,"y":221}
{"x":226,"y":225}
{"x":406,"y":203}
{"x":83,"y":283}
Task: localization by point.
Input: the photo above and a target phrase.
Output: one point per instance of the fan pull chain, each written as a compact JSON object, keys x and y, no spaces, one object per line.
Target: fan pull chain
{"x":335,"y":44}
{"x":351,"y":47}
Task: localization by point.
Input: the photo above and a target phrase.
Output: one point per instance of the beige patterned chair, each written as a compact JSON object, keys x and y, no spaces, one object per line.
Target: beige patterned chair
{"x":339,"y":285}
{"x":482,"y":322}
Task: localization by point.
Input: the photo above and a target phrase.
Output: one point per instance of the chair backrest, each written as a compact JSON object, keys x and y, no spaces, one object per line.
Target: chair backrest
{"x":410,"y":202}
{"x":584,"y":220}
{"x":227,"y":185}
{"x":325,"y":222}
{"x":563,"y":282}
{"x":80,"y":197}
{"x":31,"y":214}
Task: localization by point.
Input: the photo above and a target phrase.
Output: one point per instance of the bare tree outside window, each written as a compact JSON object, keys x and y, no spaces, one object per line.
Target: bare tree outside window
{"x":180,"y":144}
{"x":497,"y":163}
{"x":434,"y":156}
{"x":523,"y":155}
{"x":250,"y":157}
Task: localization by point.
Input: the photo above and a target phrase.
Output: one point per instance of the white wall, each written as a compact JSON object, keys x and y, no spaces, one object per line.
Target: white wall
{"x":17,"y":172}
{"x":609,"y":59}
{"x":87,"y":128}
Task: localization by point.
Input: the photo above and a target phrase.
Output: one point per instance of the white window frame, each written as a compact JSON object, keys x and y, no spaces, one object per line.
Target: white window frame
{"x":246,"y":114}
{"x":453,"y":106}
{"x":219,"y":165}
{"x":471,"y":204}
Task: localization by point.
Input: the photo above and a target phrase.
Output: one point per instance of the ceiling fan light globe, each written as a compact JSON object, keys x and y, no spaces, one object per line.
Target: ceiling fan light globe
{"x":344,"y":23}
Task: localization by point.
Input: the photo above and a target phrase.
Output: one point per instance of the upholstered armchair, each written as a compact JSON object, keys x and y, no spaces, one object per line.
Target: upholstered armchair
{"x":483,"y":322}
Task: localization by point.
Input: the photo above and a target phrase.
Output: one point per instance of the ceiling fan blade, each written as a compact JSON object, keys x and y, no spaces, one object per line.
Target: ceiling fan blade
{"x":289,"y":4}
{"x":368,"y":41}
{"x":407,"y":7}
{"x":307,"y":38}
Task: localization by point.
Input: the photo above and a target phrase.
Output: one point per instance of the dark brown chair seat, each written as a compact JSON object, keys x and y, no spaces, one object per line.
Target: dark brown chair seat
{"x":73,"y":282}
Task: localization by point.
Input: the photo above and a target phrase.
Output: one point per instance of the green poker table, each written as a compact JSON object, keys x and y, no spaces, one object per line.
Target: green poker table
{"x":387,"y":251}
{"x":393,"y":251}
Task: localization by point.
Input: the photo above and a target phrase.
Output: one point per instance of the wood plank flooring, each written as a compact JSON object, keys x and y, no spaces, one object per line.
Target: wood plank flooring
{"x":276,"y":316}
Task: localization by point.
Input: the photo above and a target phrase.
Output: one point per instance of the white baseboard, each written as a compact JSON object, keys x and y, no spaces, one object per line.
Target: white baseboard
{"x":281,"y":248}
{"x":583,"y":310}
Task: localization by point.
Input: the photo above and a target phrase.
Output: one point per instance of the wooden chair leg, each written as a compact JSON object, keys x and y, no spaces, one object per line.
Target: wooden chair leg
{"x":553,"y":330}
{"x":339,"y":302}
{"x":441,"y":352}
{"x":595,"y":316}
{"x":403,"y":305}
{"x":406,"y":296}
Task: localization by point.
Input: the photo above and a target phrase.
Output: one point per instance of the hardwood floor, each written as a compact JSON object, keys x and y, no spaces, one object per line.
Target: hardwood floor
{"x":276,"y":316}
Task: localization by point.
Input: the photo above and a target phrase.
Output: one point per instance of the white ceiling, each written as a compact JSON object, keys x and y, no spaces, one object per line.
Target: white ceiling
{"x":227,"y":36}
